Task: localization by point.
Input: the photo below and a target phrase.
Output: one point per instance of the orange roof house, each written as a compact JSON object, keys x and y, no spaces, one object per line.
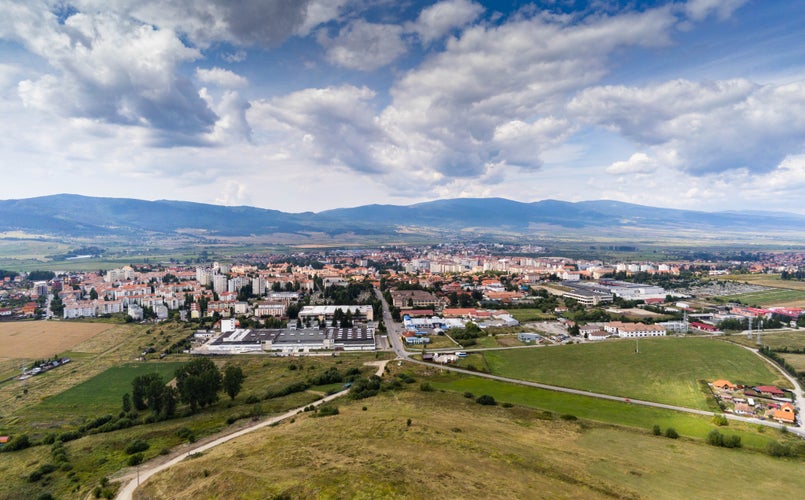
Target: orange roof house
{"x":785,"y":415}
{"x":723,"y":384}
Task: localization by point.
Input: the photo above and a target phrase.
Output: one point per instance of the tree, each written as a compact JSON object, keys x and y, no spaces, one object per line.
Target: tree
{"x":198,"y":383}
{"x":126,"y":402}
{"x":233,"y":380}
{"x":93,"y":294}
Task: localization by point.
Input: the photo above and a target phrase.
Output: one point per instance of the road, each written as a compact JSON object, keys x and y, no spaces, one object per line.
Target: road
{"x":143,"y":474}
{"x":395,"y":330}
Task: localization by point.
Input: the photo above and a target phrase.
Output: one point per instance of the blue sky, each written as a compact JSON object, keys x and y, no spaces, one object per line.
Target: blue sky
{"x":308,"y":105}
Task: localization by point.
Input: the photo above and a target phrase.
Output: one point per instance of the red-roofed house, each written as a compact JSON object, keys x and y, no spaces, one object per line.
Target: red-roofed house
{"x":786,"y":414}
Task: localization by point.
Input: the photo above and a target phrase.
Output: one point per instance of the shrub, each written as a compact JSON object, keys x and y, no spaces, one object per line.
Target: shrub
{"x":408,"y":423}
{"x":715,"y":438}
{"x":469,"y":395}
{"x":720,"y":420}
{"x":425,"y":387}
{"x":186,"y":434}
{"x":18,"y":443}
{"x":568,"y":417}
{"x":486,"y":400}
{"x":327,"y":411}
{"x":507,"y":405}
{"x":656,"y":430}
{"x":671,"y":433}
{"x":136,"y":446}
{"x":252,"y":399}
{"x":136,"y":459}
{"x":732,"y":441}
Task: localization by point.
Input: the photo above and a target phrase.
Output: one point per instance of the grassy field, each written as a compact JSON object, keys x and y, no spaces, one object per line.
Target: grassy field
{"x":526,"y":315}
{"x":791,"y":339}
{"x":455,"y":448}
{"x":795,"y":360}
{"x":104,"y":390}
{"x":42,"y":339}
{"x":666,"y":370}
{"x":776,"y":297}
{"x":94,"y":456}
{"x":770,"y":280}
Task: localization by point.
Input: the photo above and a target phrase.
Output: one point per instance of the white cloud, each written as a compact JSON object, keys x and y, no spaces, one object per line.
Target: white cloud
{"x":439,"y":19}
{"x":698,"y":10}
{"x":365,"y":46}
{"x":221,"y":77}
{"x":638,"y":163}
{"x":710,"y":127}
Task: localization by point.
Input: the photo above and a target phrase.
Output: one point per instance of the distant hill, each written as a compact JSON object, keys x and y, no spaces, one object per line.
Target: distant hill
{"x":82,"y":216}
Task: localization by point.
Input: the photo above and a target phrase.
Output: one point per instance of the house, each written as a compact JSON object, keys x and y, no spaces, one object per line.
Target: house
{"x":786,"y":414}
{"x":743,"y":409}
{"x":597,"y":335}
{"x":529,"y":337}
{"x":724,"y":385}
{"x":769,"y":391}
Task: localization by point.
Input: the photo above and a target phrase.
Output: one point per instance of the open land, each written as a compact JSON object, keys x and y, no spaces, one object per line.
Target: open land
{"x":473,"y":451}
{"x":42,"y":339}
{"x":776,"y":340}
{"x":666,"y":370}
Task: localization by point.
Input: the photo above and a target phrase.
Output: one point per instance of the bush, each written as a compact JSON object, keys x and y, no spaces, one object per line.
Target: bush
{"x":136,"y":446}
{"x":327,"y":411}
{"x":468,"y":395}
{"x":507,"y":405}
{"x":136,"y":459}
{"x":425,"y":387}
{"x":18,"y":443}
{"x":486,"y":400}
{"x":671,"y":433}
{"x":656,"y":430}
{"x":252,"y":399}
{"x":720,"y":420}
{"x":569,"y":418}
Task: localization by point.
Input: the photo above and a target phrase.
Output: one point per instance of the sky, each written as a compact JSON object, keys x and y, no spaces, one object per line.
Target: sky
{"x":308,"y":105}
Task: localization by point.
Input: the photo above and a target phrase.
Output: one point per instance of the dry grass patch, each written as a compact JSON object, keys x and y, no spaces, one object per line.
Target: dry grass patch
{"x":42,"y":339}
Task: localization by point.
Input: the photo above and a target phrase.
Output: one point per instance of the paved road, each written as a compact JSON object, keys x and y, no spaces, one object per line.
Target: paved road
{"x":127,"y":491}
{"x":395,"y":329}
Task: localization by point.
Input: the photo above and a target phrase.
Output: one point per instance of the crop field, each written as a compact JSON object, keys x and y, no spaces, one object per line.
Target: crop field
{"x":473,"y":451}
{"x":667,"y":370}
{"x":102,"y":393}
{"x":770,"y":280}
{"x":795,"y":360}
{"x":42,"y":339}
{"x":775,"y":297}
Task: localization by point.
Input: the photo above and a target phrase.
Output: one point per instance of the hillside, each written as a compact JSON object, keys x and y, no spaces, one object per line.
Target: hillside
{"x":455,"y":448}
{"x":74,"y":216}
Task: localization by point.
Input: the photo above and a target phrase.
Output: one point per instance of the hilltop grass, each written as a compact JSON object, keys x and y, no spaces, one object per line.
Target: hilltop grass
{"x":472,"y":451}
{"x":667,"y":370}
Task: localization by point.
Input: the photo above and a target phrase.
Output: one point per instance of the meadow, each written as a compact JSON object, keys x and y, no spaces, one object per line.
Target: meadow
{"x":666,"y":370}
{"x":775,"y":297}
{"x":788,"y":339}
{"x":414,"y":444}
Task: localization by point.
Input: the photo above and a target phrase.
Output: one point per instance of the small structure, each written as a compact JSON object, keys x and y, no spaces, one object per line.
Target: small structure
{"x":724,"y":385}
{"x":785,"y":414}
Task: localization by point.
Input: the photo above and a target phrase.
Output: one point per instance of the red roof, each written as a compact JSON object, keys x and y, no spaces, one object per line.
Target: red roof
{"x":770,"y":389}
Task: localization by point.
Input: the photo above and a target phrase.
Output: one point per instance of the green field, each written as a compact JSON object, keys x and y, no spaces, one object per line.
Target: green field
{"x":666,"y":370}
{"x":103,"y":393}
{"x":775,"y":297}
{"x":526,"y":315}
{"x":797,"y":361}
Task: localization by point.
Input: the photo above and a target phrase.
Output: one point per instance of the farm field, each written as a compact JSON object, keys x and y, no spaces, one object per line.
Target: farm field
{"x":667,"y":370}
{"x":770,"y":280}
{"x":775,"y":297}
{"x":118,"y":344}
{"x":42,"y":339}
{"x":473,"y":451}
{"x":795,"y":360}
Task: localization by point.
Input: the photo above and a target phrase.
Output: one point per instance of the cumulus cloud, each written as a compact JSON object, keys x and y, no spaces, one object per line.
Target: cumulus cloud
{"x":221,"y":78}
{"x":242,"y":22}
{"x":365,"y":46}
{"x":333,"y":125}
{"x":638,"y":163}
{"x":439,"y":19}
{"x":710,"y":127}
{"x":698,"y":10}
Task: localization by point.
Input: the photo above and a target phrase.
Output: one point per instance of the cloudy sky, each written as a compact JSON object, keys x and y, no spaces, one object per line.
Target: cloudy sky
{"x":308,"y":105}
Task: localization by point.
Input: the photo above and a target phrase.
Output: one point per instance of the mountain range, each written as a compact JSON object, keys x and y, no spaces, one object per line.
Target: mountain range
{"x":67,"y":215}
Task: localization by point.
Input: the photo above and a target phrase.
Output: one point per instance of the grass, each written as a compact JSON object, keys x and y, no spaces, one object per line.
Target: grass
{"x":42,"y":339}
{"x":790,"y":339}
{"x":472,"y":451}
{"x":775,"y":297}
{"x":795,"y":360}
{"x":770,"y":280}
{"x":104,"y":391}
{"x":95,"y":456}
{"x":526,"y":315}
{"x":666,"y":370}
